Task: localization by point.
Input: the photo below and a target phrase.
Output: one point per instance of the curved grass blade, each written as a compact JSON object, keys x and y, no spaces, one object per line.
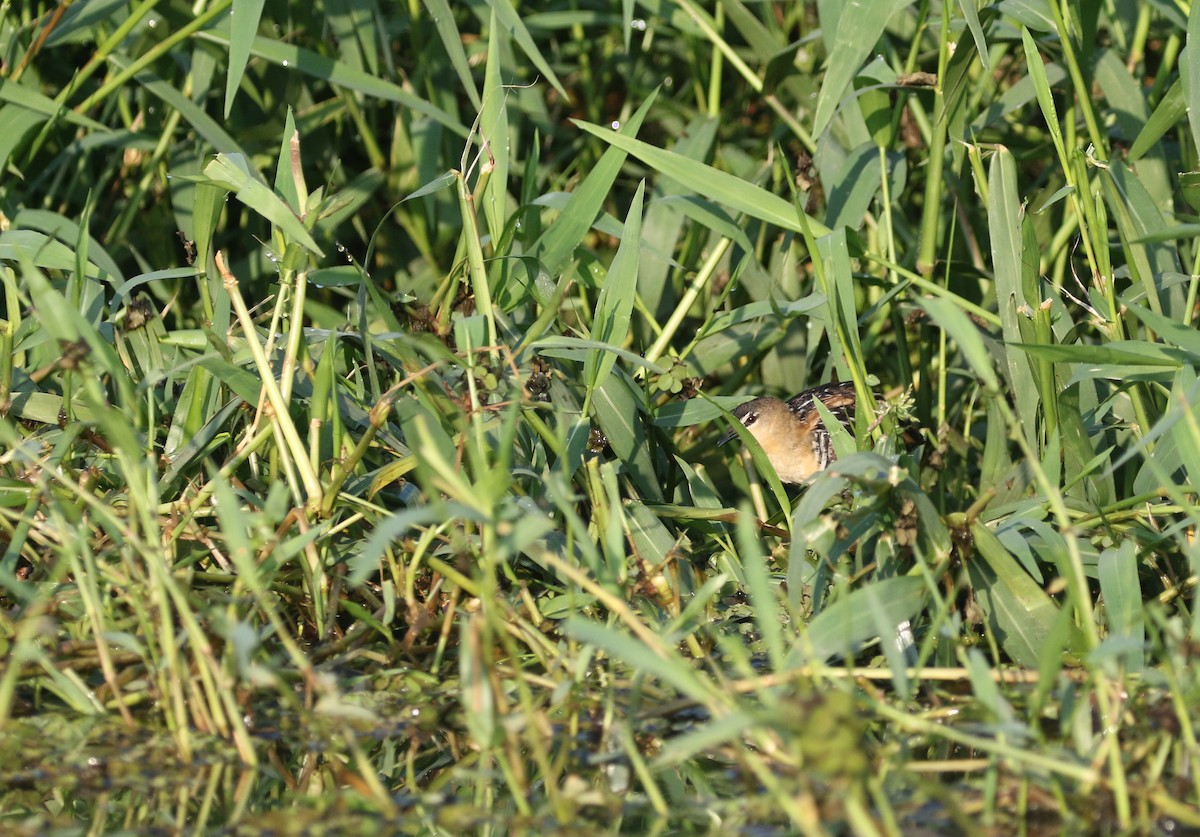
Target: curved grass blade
{"x":511,"y":21}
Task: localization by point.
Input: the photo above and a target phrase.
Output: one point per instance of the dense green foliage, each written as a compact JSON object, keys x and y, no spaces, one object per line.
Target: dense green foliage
{"x":361,"y":368}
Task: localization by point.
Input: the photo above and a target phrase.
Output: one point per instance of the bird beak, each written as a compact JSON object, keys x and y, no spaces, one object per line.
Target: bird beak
{"x":726,"y":438}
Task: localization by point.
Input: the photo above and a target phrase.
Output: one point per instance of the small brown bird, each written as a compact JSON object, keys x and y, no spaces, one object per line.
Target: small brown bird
{"x":791,"y":432}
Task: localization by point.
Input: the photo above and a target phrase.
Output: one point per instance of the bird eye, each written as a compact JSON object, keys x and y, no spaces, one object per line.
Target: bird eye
{"x":749,"y":419}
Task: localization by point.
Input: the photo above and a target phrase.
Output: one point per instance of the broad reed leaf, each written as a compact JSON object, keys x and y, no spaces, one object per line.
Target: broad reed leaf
{"x":289,"y":176}
{"x":1085,"y":471}
{"x":855,"y":618}
{"x":70,"y":231}
{"x":1189,"y":75}
{"x":1019,"y":613}
{"x":966,"y":334}
{"x":1122,"y":592}
{"x":1171,"y":331}
{"x":355,"y":30}
{"x":19,"y":123}
{"x":970,"y":13}
{"x":834,"y":252}
{"x":452,"y":41}
{"x":27,"y":98}
{"x":494,"y":133}
{"x":765,"y":44}
{"x":1138,"y":217}
{"x":647,"y":534}
{"x":671,"y":203}
{"x":856,"y":186}
{"x":40,"y":250}
{"x":438,"y":462}
{"x":1041,"y":88}
{"x":619,"y":413}
{"x":1128,"y":352}
{"x":574,"y":348}
{"x":1127,"y":101}
{"x":1005,"y":214}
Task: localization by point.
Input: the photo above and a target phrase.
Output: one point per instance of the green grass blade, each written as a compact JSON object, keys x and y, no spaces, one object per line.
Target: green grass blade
{"x":1019,"y":613}
{"x":231,"y":172}
{"x":1118,"y":570}
{"x":712,"y":183}
{"x":855,"y":618}
{"x":555,"y":246}
{"x":245,"y":16}
{"x":511,"y":21}
{"x":1005,"y":213}
{"x":860,"y":25}
{"x":452,"y":41}
{"x":318,"y":66}
{"x":955,"y":323}
{"x":1189,"y":64}
{"x":614,"y":305}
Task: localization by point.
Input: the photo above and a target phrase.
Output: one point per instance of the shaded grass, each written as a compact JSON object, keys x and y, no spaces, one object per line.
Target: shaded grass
{"x":412,"y":509}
